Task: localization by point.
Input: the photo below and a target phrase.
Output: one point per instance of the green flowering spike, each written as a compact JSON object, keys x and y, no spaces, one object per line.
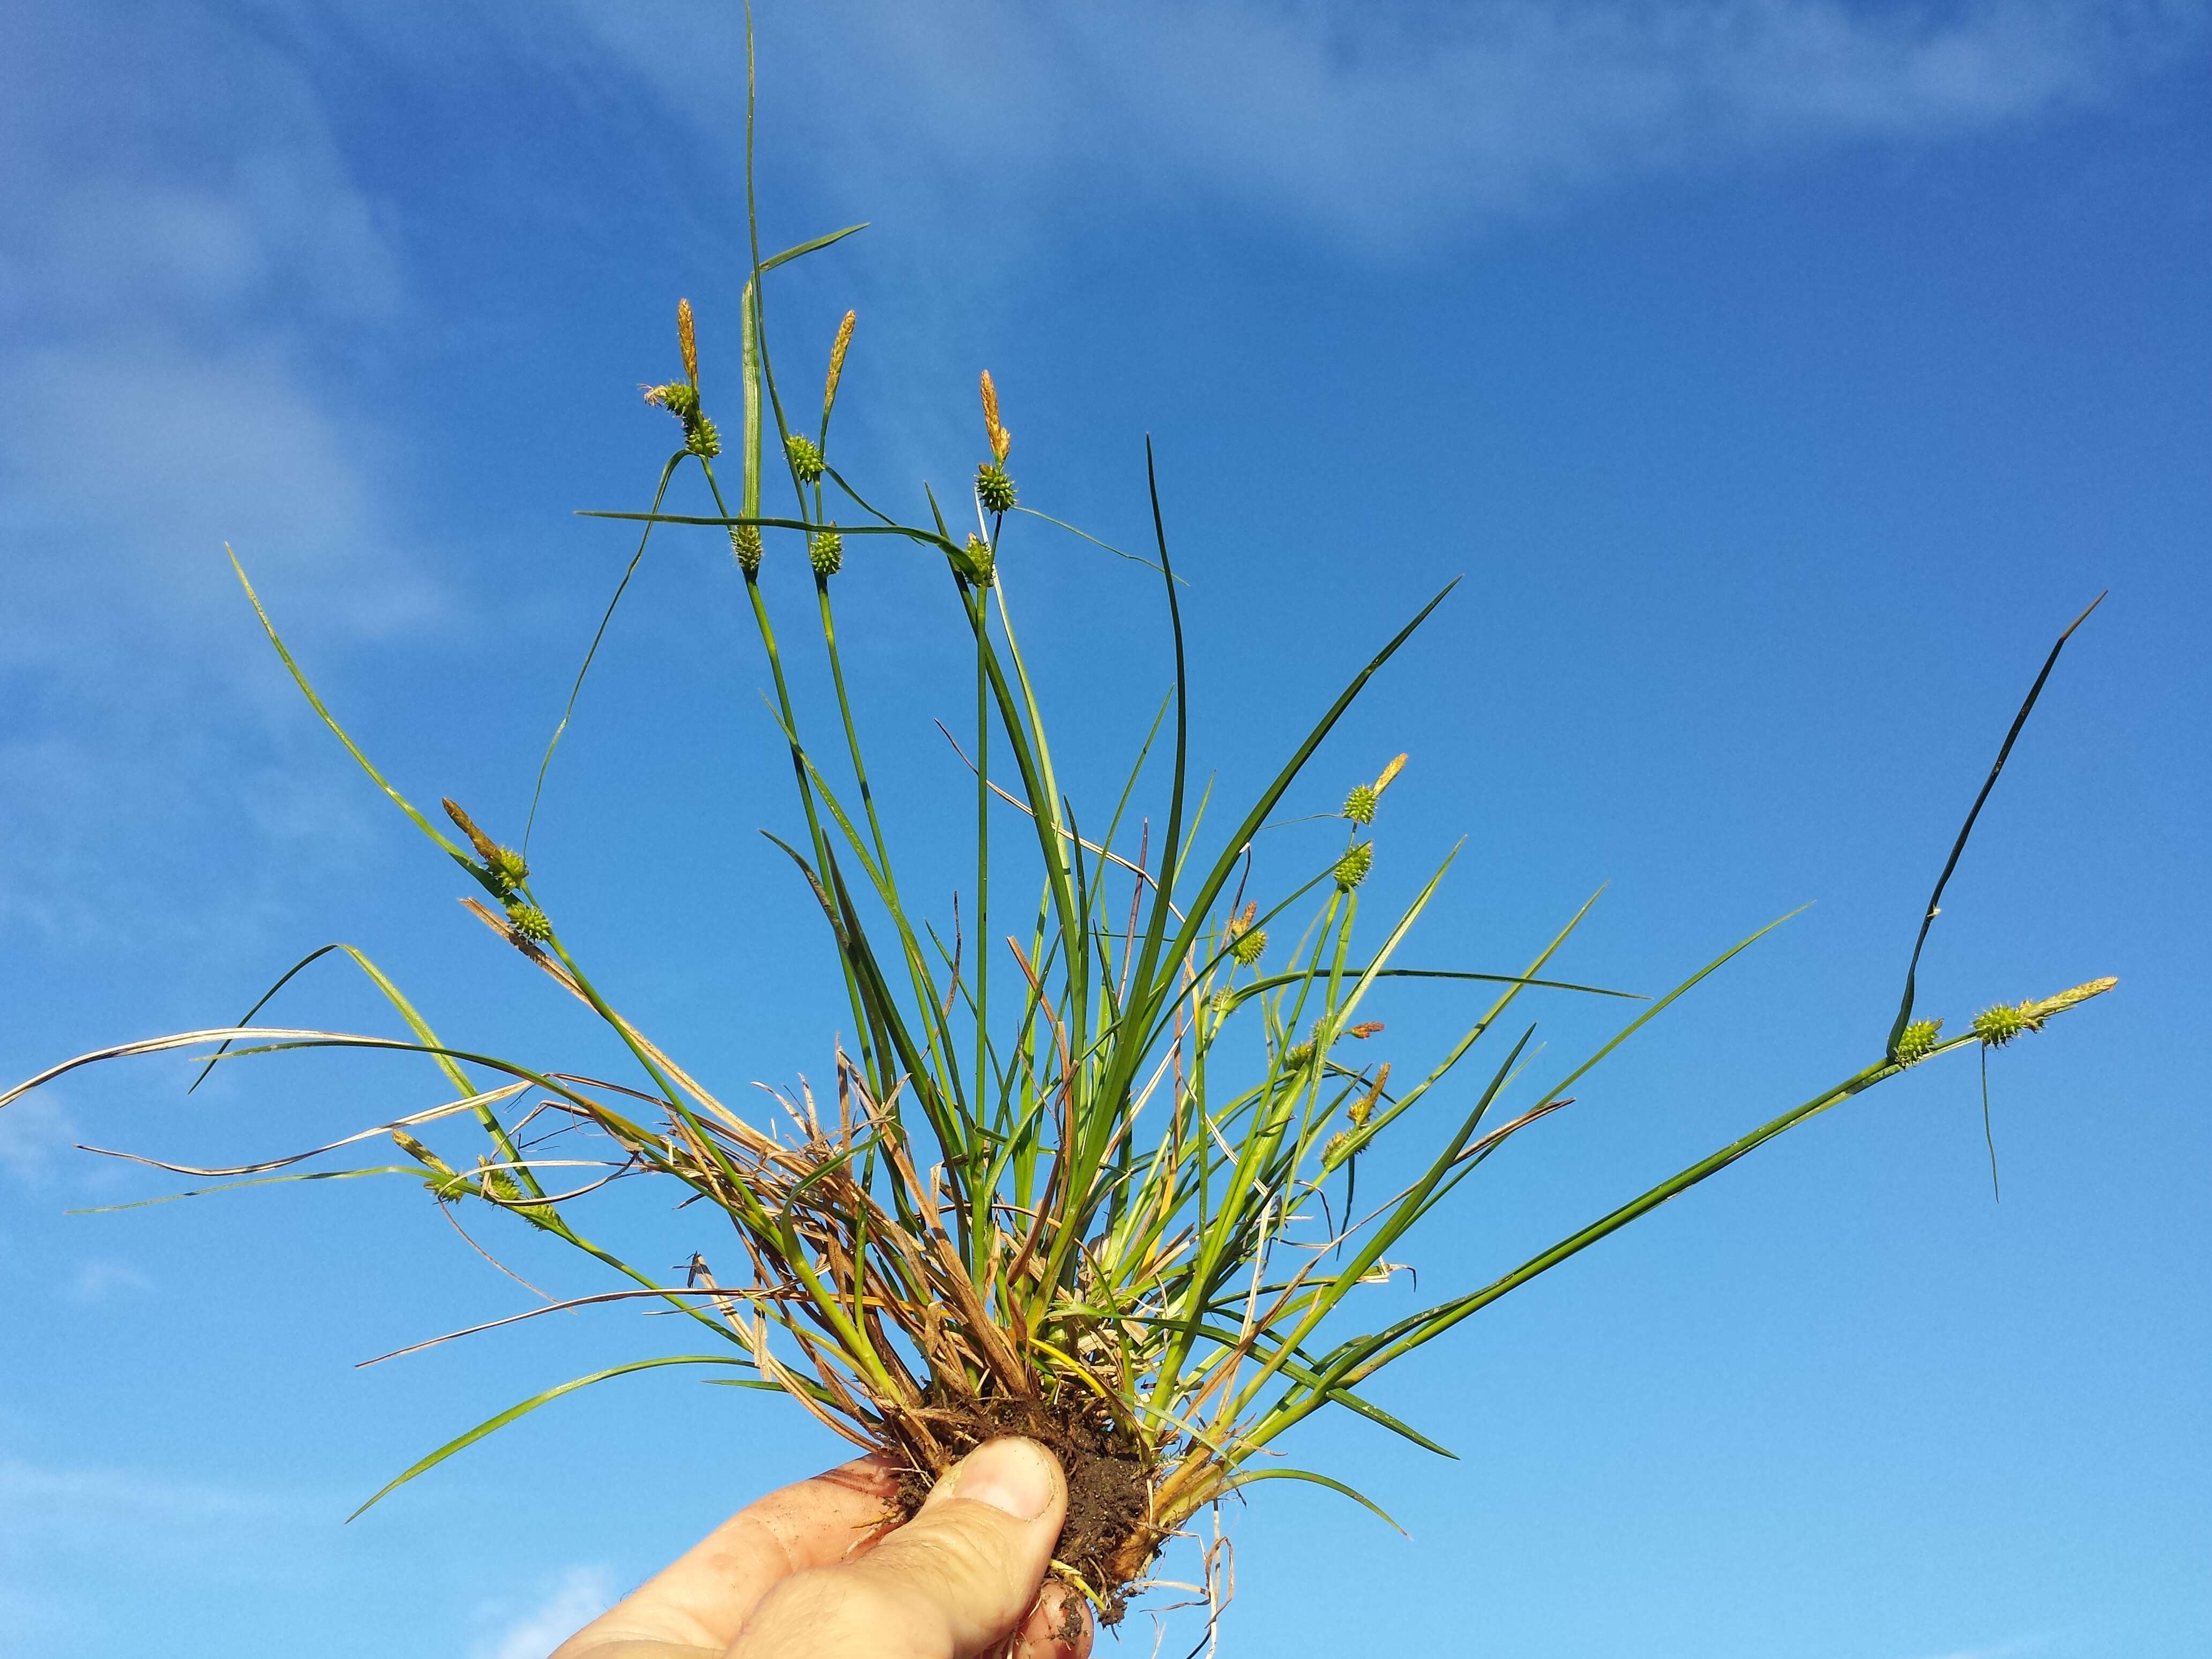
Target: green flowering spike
{"x":700,"y":438}
{"x":2040,"y":1012}
{"x":982,"y":562}
{"x":678,"y":398}
{"x":745,"y":548}
{"x":806,"y":458}
{"x":2000,"y":1025}
{"x":994,"y":487}
{"x":826,"y":552}
{"x":1248,"y":947}
{"x":1351,"y":869}
{"x":444,"y":1180}
{"x":530,"y":921}
{"x":1918,"y":1042}
{"x":1337,"y":1149}
{"x":1359,"y":805}
{"x":508,"y":869}
{"x":1294,"y":1060}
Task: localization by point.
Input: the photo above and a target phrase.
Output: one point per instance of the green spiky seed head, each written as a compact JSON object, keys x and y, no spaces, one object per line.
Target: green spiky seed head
{"x":1337,"y":1149}
{"x":498,"y":1184}
{"x":530,"y":921}
{"x":745,"y":548}
{"x":700,"y":438}
{"x":806,"y":458}
{"x":994,"y":487}
{"x":1351,"y":869}
{"x":508,"y":869}
{"x":1249,"y":946}
{"x":826,"y":552}
{"x":1295,"y":1059}
{"x":2000,"y":1025}
{"x":1917,"y":1041}
{"x":679,"y":398}
{"x":982,"y":561}
{"x":1359,"y":805}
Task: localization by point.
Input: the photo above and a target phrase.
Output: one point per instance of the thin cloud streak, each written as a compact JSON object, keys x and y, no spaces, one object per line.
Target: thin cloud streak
{"x":572,"y":1600}
{"x":184,"y":264}
{"x":96,"y":1500}
{"x":1391,"y":127}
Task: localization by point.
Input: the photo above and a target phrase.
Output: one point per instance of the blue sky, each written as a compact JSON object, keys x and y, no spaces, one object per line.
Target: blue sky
{"x":1782,"y":374}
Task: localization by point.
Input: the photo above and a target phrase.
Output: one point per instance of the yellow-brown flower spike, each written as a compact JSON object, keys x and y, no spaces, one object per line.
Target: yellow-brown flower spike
{"x":421,"y":1154}
{"x":486,"y":848}
{"x":2000,"y":1025}
{"x":2042,"y":1011}
{"x":1359,"y":805}
{"x":444,"y":1180}
{"x":1001,"y":440}
{"x":687,"y":342}
{"x":1365,"y":1104}
{"x":837,"y":360}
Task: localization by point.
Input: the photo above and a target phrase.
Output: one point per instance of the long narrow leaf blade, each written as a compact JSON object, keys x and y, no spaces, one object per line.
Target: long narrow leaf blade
{"x":493,"y":1425}
{"x":1358,"y":1497}
{"x":1959,"y":847}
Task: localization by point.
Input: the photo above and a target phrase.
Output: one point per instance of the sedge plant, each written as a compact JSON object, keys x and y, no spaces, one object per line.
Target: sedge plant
{"x":1097,"y":1181}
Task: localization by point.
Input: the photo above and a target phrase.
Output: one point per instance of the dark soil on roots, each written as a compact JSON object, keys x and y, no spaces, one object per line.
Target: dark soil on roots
{"x":1108,"y":1483}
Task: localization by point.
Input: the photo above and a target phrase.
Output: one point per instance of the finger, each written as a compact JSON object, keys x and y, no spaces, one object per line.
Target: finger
{"x":1059,"y":1626}
{"x":704,"y":1598}
{"x":952,"y":1583}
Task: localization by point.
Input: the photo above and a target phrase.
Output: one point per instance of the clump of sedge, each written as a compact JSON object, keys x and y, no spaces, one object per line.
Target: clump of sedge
{"x":1082,"y":1186}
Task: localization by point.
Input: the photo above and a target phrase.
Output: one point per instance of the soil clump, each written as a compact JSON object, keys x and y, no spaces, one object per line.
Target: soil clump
{"x":1108,"y":1480}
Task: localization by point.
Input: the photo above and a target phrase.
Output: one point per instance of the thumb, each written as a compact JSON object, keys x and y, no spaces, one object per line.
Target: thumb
{"x":952,"y":1583}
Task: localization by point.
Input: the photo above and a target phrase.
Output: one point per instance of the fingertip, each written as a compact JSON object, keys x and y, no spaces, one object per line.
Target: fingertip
{"x":1014,"y":1475}
{"x":1059,"y":1627}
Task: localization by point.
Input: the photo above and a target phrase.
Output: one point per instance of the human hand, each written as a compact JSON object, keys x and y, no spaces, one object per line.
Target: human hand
{"x":813,"y":1573}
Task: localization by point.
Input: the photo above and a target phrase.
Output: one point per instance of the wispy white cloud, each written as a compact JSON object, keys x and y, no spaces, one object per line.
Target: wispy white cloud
{"x":98,"y":1280}
{"x":563,"y":1605}
{"x":54,"y":1500}
{"x":1394,"y":124}
{"x":176,"y":267}
{"x":183,"y":261}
